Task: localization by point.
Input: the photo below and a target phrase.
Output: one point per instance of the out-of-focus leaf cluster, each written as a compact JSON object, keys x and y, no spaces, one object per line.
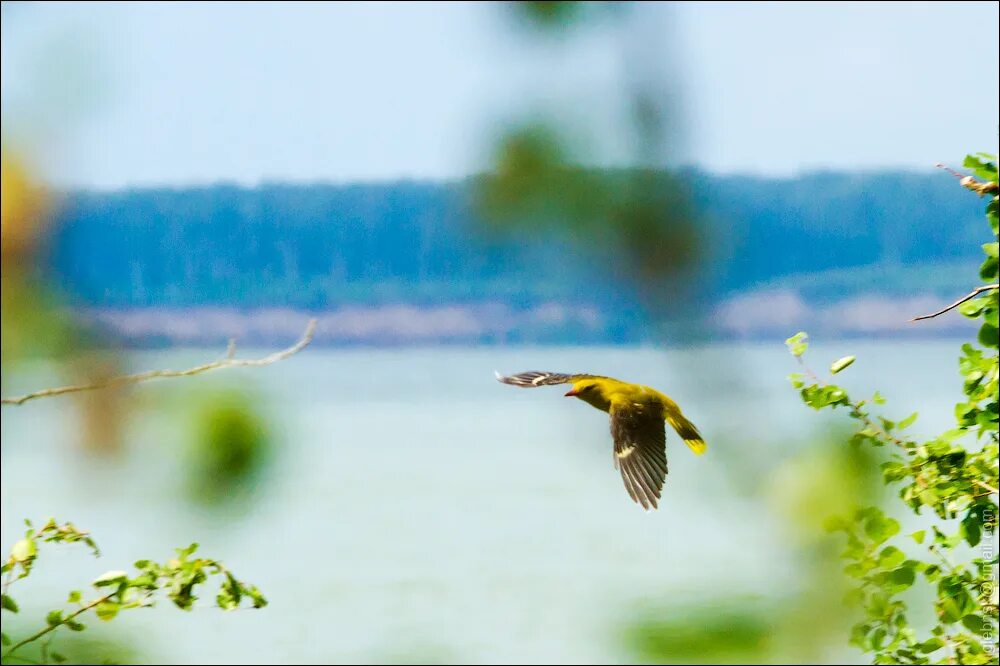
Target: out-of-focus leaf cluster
{"x":954,"y":475}
{"x":635,"y":225}
{"x":230,"y":447}
{"x":32,"y":323}
{"x":803,"y":620}
{"x":556,"y":15}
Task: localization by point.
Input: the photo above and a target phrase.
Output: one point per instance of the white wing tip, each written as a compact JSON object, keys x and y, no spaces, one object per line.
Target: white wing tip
{"x":496,"y":373}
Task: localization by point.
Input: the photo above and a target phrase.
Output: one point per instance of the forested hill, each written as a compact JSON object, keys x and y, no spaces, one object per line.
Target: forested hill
{"x":322,"y":246}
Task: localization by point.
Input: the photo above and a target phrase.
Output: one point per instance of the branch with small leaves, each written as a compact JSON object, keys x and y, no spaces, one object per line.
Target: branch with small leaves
{"x":229,"y":361}
{"x":178,"y":579}
{"x":955,"y":481}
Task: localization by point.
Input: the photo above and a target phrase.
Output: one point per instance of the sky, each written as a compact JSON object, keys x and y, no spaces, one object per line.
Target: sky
{"x":106,"y":95}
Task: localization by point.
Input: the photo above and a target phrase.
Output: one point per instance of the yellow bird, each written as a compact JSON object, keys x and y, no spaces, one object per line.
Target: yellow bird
{"x":637,"y":415}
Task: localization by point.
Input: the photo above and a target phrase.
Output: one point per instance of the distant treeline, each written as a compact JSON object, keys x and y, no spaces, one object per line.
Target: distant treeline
{"x":321,"y":246}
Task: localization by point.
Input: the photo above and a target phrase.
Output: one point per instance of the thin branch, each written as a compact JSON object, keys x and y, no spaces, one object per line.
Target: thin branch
{"x":970,"y":183}
{"x":972,"y":294}
{"x":991,"y":489}
{"x":52,"y":627}
{"x":863,"y":416}
{"x":9,"y":578}
{"x":228,"y":362}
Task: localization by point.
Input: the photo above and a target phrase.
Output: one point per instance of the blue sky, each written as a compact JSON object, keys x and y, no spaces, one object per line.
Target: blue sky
{"x":107,"y":95}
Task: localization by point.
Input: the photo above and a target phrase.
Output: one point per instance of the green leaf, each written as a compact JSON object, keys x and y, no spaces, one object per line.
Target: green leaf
{"x":75,"y":626}
{"x":902,"y":576}
{"x":971,"y":529}
{"x":841,"y":364}
{"x":907,"y":422}
{"x":975,"y":624}
{"x":24,"y":550}
{"x":982,"y":165}
{"x":974,"y":307}
{"x":930,"y":645}
{"x":878,"y":399}
{"x":8,"y":603}
{"x":954,"y":600}
{"x":58,"y":658}
{"x":5,"y":639}
{"x":989,"y":268}
{"x":75,"y":596}
{"x":879,"y":528}
{"x":258,"y":599}
{"x":107,"y":610}
{"x":54,"y":617}
{"x":988,"y":335}
{"x":890,"y":557}
{"x":110,"y":578}
{"x":919,"y":535}
{"x":992,"y":249}
{"x":798,"y":343}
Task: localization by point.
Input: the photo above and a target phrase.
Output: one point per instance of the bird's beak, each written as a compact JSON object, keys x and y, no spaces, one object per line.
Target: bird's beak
{"x":570,"y":393}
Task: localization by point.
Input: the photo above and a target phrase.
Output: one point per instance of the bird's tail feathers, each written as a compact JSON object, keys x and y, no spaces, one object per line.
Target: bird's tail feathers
{"x":688,"y":432}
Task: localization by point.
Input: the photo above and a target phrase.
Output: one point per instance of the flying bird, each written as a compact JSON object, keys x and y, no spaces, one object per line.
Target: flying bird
{"x":637,"y":426}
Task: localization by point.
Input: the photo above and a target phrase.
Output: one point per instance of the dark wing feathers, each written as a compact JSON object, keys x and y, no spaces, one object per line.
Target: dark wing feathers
{"x":535,"y":378}
{"x":640,"y":453}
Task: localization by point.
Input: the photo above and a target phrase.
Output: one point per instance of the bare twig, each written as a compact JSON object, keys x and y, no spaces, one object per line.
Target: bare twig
{"x":228,"y":362}
{"x":970,"y":183}
{"x":972,"y":294}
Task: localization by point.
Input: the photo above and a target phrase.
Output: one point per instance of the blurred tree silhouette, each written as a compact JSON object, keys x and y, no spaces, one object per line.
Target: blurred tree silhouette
{"x":634,"y":223}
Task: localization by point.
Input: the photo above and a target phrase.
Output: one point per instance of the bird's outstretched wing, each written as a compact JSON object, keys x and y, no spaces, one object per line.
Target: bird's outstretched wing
{"x":534,"y":378}
{"x":640,"y":452}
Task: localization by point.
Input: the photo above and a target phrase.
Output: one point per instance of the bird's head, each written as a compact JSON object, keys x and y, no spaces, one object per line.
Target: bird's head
{"x":589,"y":390}
{"x":580,"y":388}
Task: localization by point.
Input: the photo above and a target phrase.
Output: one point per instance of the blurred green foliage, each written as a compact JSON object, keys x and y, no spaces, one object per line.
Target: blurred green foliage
{"x":549,"y":12}
{"x":555,"y":16}
{"x":634,"y":224}
{"x":97,"y":647}
{"x":32,"y":325}
{"x":804,"y":619}
{"x":724,"y":633}
{"x":230,"y":447}
{"x":954,"y":476}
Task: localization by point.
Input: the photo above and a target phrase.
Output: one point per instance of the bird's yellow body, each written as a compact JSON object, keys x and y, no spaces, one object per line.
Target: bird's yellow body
{"x":608,"y":394}
{"x":637,"y":425}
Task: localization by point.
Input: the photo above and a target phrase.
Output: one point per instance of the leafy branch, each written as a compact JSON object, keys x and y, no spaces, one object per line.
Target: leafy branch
{"x":178,"y":579}
{"x":229,"y":361}
{"x":956,"y":482}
